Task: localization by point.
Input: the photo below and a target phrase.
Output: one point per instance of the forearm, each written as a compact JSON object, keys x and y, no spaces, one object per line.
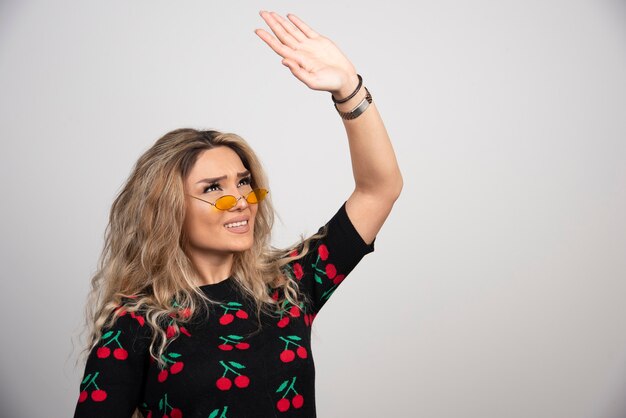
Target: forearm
{"x":374,"y":163}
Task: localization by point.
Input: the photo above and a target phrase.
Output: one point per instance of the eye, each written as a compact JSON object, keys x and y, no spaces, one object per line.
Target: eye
{"x":210,"y":187}
{"x":246,"y":181}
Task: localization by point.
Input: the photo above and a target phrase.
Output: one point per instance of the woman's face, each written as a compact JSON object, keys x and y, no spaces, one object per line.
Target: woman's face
{"x":211,"y":231}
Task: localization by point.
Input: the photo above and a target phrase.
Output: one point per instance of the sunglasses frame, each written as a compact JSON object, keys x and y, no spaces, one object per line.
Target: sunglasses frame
{"x":237,"y":199}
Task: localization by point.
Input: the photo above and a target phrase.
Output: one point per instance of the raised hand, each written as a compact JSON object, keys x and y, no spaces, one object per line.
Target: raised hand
{"x":312,"y":58}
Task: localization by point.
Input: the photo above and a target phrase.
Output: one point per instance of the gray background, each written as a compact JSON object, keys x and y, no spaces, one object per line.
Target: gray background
{"x":497,"y":285}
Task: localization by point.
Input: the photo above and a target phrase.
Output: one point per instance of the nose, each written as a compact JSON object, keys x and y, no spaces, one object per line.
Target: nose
{"x":242,"y":203}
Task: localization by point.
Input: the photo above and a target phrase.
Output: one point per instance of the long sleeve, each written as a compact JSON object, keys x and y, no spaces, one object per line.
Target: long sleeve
{"x":115,"y":370}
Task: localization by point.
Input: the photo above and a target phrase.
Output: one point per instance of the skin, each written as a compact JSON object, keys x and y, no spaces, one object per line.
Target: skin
{"x":212,"y":246}
{"x":317,"y":62}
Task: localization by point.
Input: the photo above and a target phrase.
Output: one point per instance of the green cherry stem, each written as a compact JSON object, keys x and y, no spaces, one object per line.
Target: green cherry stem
{"x":227,"y":368}
{"x":92,"y":381}
{"x":288,"y":342}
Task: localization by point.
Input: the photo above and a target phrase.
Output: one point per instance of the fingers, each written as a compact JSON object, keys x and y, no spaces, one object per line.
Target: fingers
{"x":302,"y":26}
{"x":281,"y":28}
{"x":273,"y":43}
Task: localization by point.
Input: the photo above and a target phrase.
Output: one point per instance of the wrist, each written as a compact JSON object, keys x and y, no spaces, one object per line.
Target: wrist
{"x":347,"y":88}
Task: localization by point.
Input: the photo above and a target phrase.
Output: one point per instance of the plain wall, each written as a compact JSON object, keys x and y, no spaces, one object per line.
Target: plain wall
{"x":497,"y":285}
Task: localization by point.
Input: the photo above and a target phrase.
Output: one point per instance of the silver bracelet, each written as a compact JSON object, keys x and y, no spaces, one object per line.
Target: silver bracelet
{"x":356,"y":112}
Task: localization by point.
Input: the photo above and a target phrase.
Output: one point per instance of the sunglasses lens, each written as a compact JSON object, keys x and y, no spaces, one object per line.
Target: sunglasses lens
{"x":225,"y":202}
{"x":256,"y":195}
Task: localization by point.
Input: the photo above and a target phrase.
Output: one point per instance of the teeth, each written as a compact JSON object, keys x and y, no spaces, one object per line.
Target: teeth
{"x":235,"y":224}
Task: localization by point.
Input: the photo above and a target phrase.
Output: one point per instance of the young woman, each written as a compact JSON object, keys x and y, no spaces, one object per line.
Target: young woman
{"x":192,"y":312}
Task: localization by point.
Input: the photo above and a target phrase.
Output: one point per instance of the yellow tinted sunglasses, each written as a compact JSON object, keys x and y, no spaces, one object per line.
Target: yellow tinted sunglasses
{"x":228,"y":201}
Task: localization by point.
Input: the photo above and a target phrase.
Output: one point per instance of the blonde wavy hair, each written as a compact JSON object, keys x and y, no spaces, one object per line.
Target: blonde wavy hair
{"x":144,"y":265}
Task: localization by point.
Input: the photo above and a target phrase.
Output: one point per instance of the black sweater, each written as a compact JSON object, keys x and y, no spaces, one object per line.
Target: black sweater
{"x":222,"y":367}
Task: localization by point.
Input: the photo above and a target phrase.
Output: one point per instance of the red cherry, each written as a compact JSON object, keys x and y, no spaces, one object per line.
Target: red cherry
{"x":331,"y":270}
{"x":294,"y":253}
{"x":103,"y":352}
{"x":275,"y":295}
{"x":339,"y":278}
{"x":287,"y":356}
{"x":225,"y":347}
{"x":306,"y":319}
{"x":226,"y":319}
{"x":140,"y":320}
{"x":185,"y":313}
{"x":83,"y":396}
{"x":283,"y":404}
{"x":98,"y":395}
{"x":149,"y":414}
{"x":120,"y":354}
{"x":283,"y":322}
{"x":298,"y":271}
{"x":302,"y":352}
{"x":176,"y":367}
{"x":176,"y":413}
{"x":162,"y":376}
{"x":121,"y":312}
{"x":323,"y":251}
{"x":242,"y":346}
{"x":242,"y":381}
{"x":294,"y":311}
{"x":223,"y":383}
{"x":298,"y":401}
{"x":171,"y":331}
{"x":241,"y":314}
{"x":184,"y":331}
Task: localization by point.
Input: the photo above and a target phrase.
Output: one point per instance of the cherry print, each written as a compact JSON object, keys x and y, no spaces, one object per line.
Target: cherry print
{"x":339,"y":278}
{"x":294,"y":253}
{"x":331,"y":270}
{"x":287,"y":356}
{"x":294,"y":311}
{"x":322,"y":250}
{"x":297,"y":401}
{"x":98,"y":395}
{"x":307,"y":321}
{"x":232,"y":339}
{"x":223,"y":383}
{"x":164,"y":405}
{"x":298,"y":271}
{"x":119,"y":353}
{"x":226,"y":319}
{"x":215,"y":412}
{"x":83,"y":396}
{"x":103,"y":352}
{"x":283,"y":405}
{"x":184,"y":331}
{"x":285,"y":388}
{"x":283,"y":322}
{"x":302,"y":352}
{"x":170,"y":332}
{"x":241,"y":380}
{"x":176,"y":367}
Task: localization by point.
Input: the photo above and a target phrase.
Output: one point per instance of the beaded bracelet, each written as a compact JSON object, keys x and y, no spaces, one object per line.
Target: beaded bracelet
{"x":350,"y":96}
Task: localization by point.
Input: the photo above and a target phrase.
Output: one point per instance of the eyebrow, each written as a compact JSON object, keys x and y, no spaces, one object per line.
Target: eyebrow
{"x":215,"y":179}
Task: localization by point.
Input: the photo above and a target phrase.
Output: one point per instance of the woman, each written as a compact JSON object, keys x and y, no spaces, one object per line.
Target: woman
{"x":192,"y":312}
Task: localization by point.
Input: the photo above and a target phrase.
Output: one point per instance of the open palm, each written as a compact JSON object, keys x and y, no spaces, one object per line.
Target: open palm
{"x":312,"y":58}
